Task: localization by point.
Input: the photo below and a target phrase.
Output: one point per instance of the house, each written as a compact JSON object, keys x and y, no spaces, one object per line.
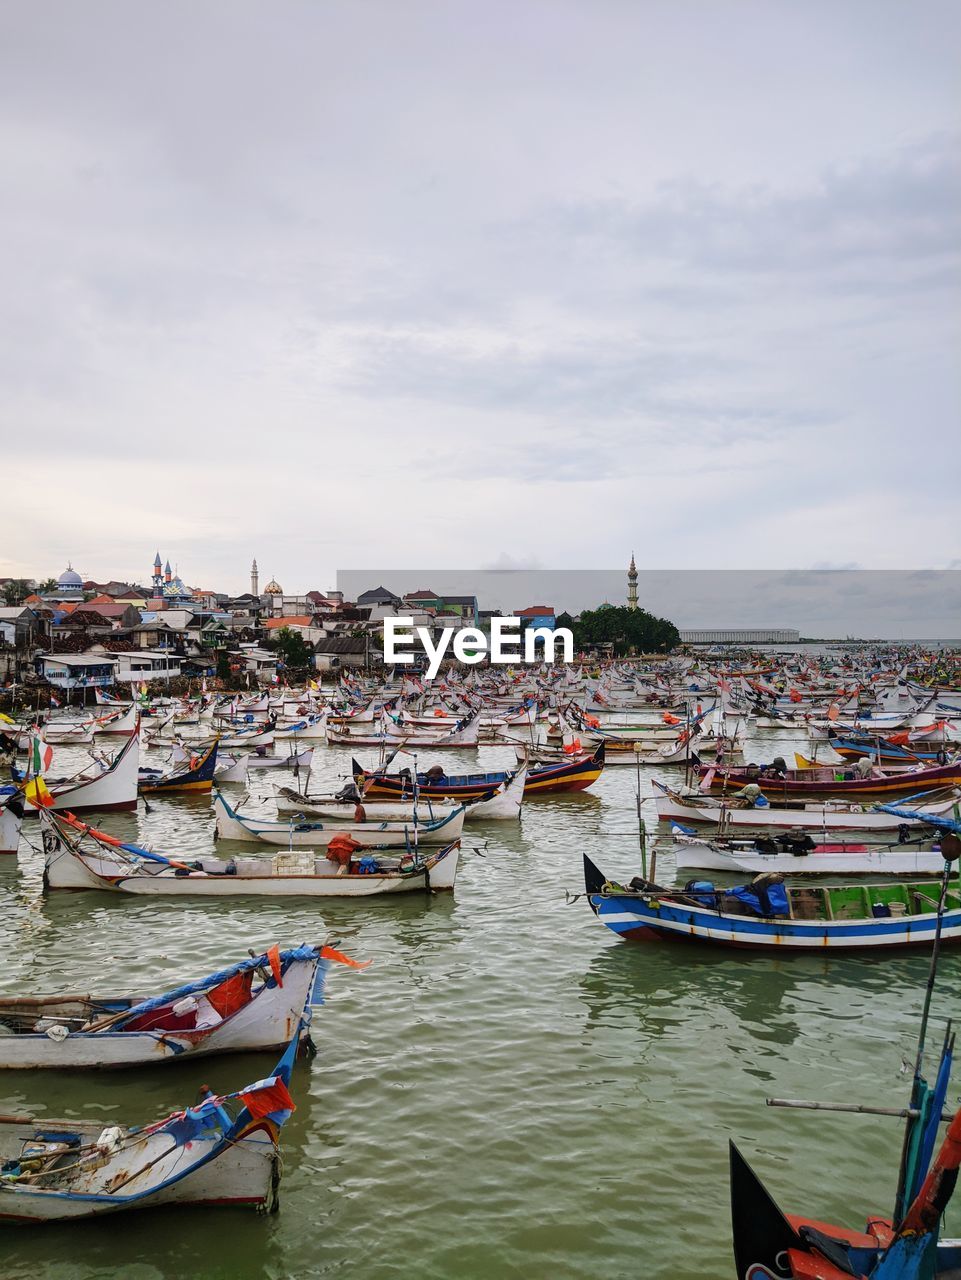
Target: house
{"x":537,"y":615}
{"x":88,"y":621}
{"x":379,"y":596}
{"x":334,"y":652}
{"x":141,"y":665}
{"x":77,"y":671}
{"x":258,"y":662}
{"x":20,"y":625}
{"x":465,"y":607}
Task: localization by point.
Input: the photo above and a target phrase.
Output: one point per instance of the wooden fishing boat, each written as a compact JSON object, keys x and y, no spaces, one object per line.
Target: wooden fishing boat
{"x":569,"y":775}
{"x":824,"y":815}
{"x":123,"y":720}
{"x":79,"y":857}
{"x":294,"y":760}
{"x":880,"y":752}
{"x":255,"y":1004}
{"x":11,"y":818}
{"x":504,"y":803}
{"x":768,"y":917}
{"x":231,"y":769}
{"x":836,"y":780}
{"x":222,"y":1151}
{"x":109,"y":787}
{"x":799,"y":855}
{"x":465,"y":733}
{"x":196,"y":774}
{"x":68,"y":733}
{"x":298,"y":832}
{"x":906,"y":1246}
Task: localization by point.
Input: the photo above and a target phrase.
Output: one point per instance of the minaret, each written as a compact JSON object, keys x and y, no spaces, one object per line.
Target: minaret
{"x":168,"y":572}
{"x":632,"y":584}
{"x":157,"y":573}
{"x":254,"y":579}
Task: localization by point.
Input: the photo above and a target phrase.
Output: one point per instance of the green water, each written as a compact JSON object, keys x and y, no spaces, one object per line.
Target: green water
{"x":509,"y":1091}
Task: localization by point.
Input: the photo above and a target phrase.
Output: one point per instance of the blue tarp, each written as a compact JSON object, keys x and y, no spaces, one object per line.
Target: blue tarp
{"x":303,"y":952}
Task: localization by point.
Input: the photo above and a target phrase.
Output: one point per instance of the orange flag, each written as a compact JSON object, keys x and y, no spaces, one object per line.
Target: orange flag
{"x":330,"y":953}
{"x":273,"y":958}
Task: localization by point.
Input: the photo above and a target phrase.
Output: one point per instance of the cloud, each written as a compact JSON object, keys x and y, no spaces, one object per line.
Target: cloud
{"x":307,"y":284}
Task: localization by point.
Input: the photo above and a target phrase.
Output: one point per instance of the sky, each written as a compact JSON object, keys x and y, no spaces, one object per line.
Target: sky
{"x":513,"y":284}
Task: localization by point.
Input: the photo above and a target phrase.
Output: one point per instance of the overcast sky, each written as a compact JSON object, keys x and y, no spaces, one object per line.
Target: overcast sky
{"x":469,"y":284}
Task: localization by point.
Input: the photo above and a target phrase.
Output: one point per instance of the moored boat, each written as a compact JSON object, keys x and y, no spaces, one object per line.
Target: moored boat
{"x":255,"y":1004}
{"x":835,"y":780}
{"x":196,"y":774}
{"x":824,"y":815}
{"x":768,"y":916}
{"x":222,"y":1151}
{"x":299,"y":832}
{"x":80,"y":857}
{"x":797,"y":854}
{"x":568,"y":775}
{"x":11,"y":818}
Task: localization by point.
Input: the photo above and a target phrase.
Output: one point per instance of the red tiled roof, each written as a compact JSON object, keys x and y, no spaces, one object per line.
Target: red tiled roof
{"x":536,"y":611}
{"x":297,"y":620}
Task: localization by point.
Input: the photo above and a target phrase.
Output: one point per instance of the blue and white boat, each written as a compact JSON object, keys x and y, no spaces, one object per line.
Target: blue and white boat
{"x":222,"y":1151}
{"x":766,"y":915}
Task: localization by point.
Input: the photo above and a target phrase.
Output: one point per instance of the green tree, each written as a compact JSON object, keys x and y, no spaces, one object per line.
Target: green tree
{"x":628,"y":630}
{"x":16,"y":591}
{"x":293,"y":649}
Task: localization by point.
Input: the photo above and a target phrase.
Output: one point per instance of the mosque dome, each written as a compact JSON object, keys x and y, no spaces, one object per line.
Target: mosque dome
{"x":273,"y":588}
{"x":70,"y":580}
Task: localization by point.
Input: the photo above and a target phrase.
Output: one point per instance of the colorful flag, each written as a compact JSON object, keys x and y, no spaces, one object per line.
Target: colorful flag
{"x":268,"y":1099}
{"x":36,"y":793}
{"x":41,"y":756}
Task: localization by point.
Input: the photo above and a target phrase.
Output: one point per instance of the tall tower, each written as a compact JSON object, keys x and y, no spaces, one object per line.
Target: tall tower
{"x":157,"y":575}
{"x":632,"y":584}
{"x":254,"y":580}
{"x":168,"y":572}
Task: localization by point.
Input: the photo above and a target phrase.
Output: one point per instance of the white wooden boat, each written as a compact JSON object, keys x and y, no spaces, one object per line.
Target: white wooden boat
{"x":231,"y":769}
{"x":295,"y":760}
{"x":467,"y":735}
{"x":312,"y":726}
{"x":79,"y":857}
{"x":827,"y":815}
{"x":222,"y":1151}
{"x":255,"y":1004}
{"x":11,"y":818}
{"x":504,"y":804}
{"x":68,"y":733}
{"x":256,"y":736}
{"x":299,"y":832}
{"x":769,"y":854}
{"x":122,"y":720}
{"x":106,"y":787}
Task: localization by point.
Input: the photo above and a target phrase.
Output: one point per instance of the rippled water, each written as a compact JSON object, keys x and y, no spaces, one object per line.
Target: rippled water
{"x":508,"y":1091}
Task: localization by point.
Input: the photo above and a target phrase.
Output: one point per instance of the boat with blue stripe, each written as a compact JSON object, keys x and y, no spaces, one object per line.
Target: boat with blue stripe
{"x":766,"y":915}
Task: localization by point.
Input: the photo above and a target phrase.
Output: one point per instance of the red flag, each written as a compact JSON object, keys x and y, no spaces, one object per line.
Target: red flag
{"x":267,"y":1097}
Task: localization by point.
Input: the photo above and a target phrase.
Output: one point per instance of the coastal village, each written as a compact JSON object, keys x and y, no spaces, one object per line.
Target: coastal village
{"x":75,"y":633}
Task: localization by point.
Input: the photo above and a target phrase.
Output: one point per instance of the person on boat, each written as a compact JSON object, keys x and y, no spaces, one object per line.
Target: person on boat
{"x":753,"y":794}
{"x":360,"y":813}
